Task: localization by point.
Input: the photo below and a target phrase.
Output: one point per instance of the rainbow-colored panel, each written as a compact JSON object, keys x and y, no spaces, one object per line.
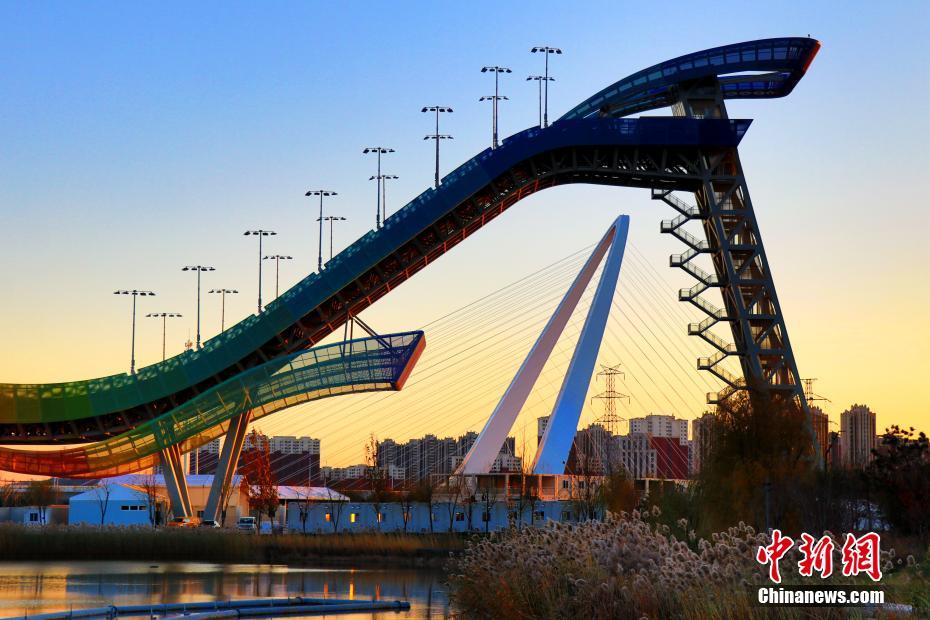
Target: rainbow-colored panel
{"x":362,"y":365}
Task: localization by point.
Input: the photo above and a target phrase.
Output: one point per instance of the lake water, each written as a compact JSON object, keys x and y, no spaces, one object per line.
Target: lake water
{"x":31,"y":588}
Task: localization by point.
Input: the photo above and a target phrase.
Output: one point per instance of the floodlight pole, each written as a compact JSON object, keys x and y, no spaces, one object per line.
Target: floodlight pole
{"x":222,"y":292}
{"x":164,"y":316}
{"x":379,"y":150}
{"x":198,"y":269}
{"x":135,"y":293}
{"x":260,"y":233}
{"x":331,"y":219}
{"x":496,"y":71}
{"x":546,"y":50}
{"x":277,"y":258}
{"x":437,"y":136}
{"x":320,"y":193}
{"x":539,"y":79}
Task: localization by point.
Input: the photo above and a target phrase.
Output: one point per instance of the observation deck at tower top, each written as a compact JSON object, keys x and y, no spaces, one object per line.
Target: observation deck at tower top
{"x":30,"y":408}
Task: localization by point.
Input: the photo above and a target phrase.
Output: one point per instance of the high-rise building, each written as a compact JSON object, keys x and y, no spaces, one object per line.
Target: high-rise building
{"x":294,"y":460}
{"x":821,"y":423}
{"x":857,"y":436}
{"x":660,"y":426}
{"x":636,"y":455}
{"x":702,"y":435}
{"x":429,"y":455}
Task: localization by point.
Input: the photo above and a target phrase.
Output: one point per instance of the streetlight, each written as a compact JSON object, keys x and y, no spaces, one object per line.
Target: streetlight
{"x":223,"y":292}
{"x":320,"y":193}
{"x":134,"y":293}
{"x":331,"y":219}
{"x":494,"y":99}
{"x":164,"y":316}
{"x":546,"y":50}
{"x":277,"y":258}
{"x":539,"y":80}
{"x":437,"y":136}
{"x":380,"y":150}
{"x":385,"y":177}
{"x":199,"y":269}
{"x":260,"y":233}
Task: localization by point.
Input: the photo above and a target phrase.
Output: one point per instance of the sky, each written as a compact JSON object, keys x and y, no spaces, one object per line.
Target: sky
{"x":139,"y":138}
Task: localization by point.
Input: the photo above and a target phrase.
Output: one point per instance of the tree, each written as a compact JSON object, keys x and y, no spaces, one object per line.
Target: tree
{"x":618,"y":493}
{"x":42,"y":494}
{"x":487,"y":492}
{"x":900,"y":475}
{"x":258,"y":481}
{"x":9,"y":493}
{"x":303,"y":507}
{"x":102,"y":494}
{"x":407,"y":498}
{"x":334,"y":502}
{"x":377,"y":480}
{"x":586,"y":496}
{"x":454,"y":489}
{"x":760,"y":466}
{"x":425,"y":492}
{"x":149,"y":486}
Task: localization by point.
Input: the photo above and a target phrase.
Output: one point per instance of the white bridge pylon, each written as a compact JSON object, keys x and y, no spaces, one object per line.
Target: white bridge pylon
{"x":560,"y":432}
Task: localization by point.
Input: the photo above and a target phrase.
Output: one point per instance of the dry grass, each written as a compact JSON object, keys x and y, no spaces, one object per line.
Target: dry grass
{"x":627,"y":567}
{"x":27,"y":543}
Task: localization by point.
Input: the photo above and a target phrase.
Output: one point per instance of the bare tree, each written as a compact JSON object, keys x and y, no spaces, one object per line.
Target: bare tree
{"x":149,"y":486}
{"x":453,"y":494}
{"x":487,"y":491}
{"x":41,"y":494}
{"x":334,"y":502}
{"x":425,"y":492}
{"x":377,"y":481}
{"x":102,"y":494}
{"x":407,"y":498}
{"x":585,"y":494}
{"x":303,"y":506}
{"x":9,"y":493}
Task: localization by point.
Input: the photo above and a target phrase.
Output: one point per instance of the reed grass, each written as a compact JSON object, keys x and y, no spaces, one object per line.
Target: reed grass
{"x":29,"y":543}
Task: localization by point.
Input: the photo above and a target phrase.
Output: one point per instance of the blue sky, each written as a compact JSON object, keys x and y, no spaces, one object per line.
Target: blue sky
{"x":136,"y":138}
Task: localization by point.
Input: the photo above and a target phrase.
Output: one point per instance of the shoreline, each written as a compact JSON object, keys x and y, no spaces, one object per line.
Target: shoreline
{"x":368,"y":549}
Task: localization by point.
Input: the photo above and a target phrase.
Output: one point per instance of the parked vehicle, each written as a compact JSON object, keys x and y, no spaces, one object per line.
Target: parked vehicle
{"x":246,"y":524}
{"x":183,"y":522}
{"x":209,"y":523}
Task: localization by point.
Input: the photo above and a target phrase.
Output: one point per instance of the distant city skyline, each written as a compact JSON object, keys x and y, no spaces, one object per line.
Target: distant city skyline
{"x":136,"y":143}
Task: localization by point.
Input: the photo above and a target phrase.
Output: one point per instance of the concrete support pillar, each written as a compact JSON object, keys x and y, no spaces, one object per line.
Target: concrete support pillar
{"x":226,"y":467}
{"x":175,"y":481}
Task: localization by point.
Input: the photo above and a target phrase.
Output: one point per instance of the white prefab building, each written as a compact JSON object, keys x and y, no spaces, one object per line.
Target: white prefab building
{"x":445,"y":516}
{"x":125,"y":506}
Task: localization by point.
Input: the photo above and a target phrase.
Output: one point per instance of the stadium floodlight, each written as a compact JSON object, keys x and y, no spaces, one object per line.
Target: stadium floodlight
{"x":321,"y":193}
{"x":223,"y":292}
{"x":379,"y":150}
{"x":277,"y":258}
{"x":260,"y":234}
{"x":539,"y":79}
{"x":494,"y":99}
{"x":199,"y":269}
{"x":164,"y":316}
{"x":438,"y":109}
{"x":546,"y":50}
{"x":135,"y":293}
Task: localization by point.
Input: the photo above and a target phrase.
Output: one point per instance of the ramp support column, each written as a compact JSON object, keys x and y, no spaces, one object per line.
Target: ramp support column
{"x":226,"y":467}
{"x":175,"y":481}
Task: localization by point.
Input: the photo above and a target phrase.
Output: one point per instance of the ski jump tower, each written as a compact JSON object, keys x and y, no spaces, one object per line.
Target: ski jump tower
{"x":556,"y":443}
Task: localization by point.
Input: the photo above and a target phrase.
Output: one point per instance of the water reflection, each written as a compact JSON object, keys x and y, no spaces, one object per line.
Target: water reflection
{"x":30,"y":588}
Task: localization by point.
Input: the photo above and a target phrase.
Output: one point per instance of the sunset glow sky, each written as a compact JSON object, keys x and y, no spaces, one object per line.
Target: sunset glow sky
{"x":136,"y":139}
